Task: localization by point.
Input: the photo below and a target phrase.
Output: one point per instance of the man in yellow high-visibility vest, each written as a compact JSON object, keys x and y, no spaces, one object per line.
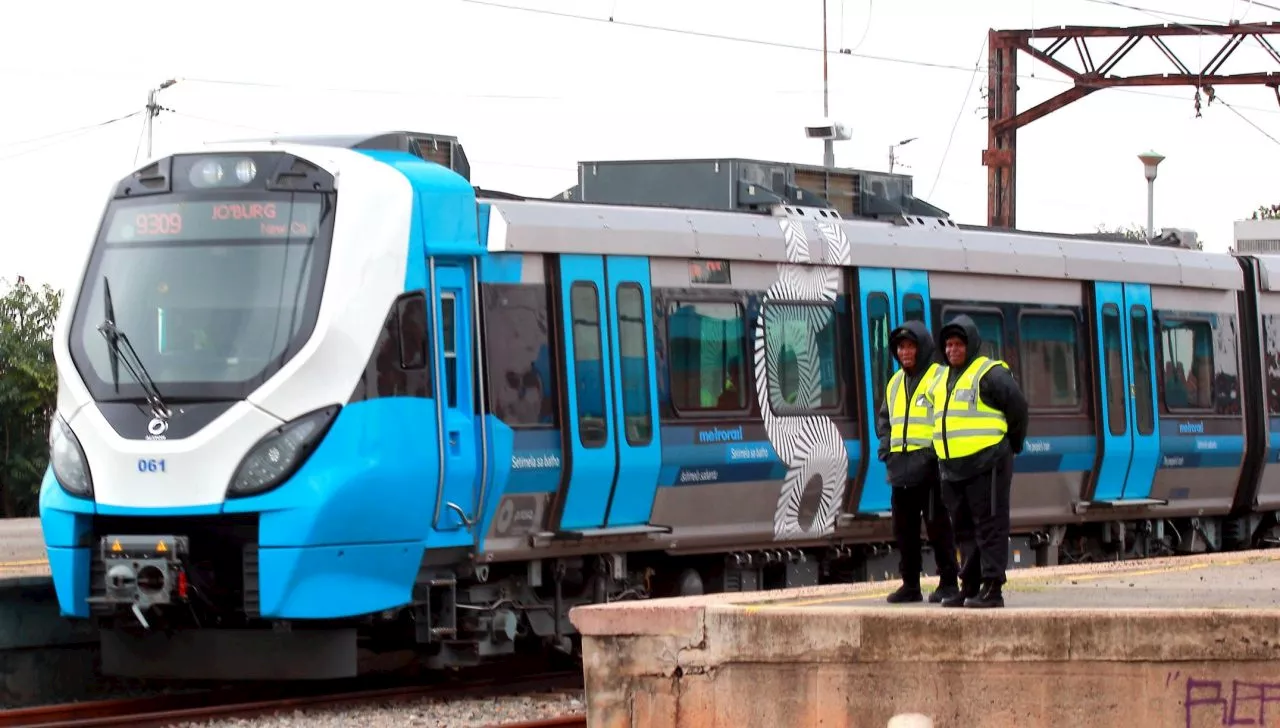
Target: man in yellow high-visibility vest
{"x":979,"y":424}
{"x":905,"y":428}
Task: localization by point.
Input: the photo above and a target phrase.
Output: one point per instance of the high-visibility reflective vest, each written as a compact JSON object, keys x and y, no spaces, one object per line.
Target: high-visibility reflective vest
{"x":910,"y":417}
{"x":962,"y":423}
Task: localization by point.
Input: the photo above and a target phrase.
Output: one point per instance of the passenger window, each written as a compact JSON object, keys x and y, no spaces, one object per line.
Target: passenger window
{"x":1271,"y":360}
{"x":878,"y":329}
{"x":1188,"y":364}
{"x":523,"y":390}
{"x":634,"y":351}
{"x":913,"y":308}
{"x":448,"y":334}
{"x":1050,"y":376}
{"x":707,"y":344}
{"x":794,"y":334}
{"x":1113,"y":352}
{"x":584,"y":309}
{"x":1141,"y":345}
{"x":411,"y":314}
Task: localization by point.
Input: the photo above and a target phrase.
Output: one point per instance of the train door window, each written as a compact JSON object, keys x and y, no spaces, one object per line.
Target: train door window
{"x":707,"y":344}
{"x":1271,"y":360}
{"x":411,"y":315}
{"x":1187,"y":348}
{"x":878,"y":328}
{"x":584,"y":308}
{"x":1049,"y":374}
{"x":1139,"y":326}
{"x":913,"y":308}
{"x":448,"y":338}
{"x":634,"y":350}
{"x":800,"y":351}
{"x":1113,"y":355}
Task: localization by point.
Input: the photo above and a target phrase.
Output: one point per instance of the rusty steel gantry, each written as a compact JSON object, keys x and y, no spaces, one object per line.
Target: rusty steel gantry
{"x":1003,"y":119}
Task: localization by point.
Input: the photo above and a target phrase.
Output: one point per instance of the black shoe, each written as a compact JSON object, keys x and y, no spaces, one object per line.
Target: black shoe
{"x":989,"y":597}
{"x":905,"y":593}
{"x":958,"y":599}
{"x":944,"y":592}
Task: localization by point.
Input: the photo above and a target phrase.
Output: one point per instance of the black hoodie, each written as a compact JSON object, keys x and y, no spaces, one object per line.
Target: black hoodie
{"x":997,"y":389}
{"x":917,"y":467}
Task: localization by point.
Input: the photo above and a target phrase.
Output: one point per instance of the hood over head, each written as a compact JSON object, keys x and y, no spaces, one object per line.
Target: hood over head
{"x":915,"y":331}
{"x":967,"y":330}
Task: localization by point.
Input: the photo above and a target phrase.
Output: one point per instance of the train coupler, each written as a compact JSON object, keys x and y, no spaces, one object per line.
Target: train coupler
{"x":143,"y":571}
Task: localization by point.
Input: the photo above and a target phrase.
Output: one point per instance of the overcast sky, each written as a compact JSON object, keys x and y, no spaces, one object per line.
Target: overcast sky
{"x":529,"y":94}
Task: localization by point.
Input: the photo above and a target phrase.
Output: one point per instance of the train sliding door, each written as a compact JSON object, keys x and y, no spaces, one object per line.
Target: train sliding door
{"x":1130,"y":442}
{"x":635,"y":391}
{"x":611,"y":394}
{"x":887,"y":299}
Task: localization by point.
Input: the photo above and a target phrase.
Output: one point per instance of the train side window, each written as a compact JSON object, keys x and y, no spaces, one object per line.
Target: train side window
{"x":1271,"y":360}
{"x":523,"y":391}
{"x":800,"y":358}
{"x":411,"y":316}
{"x":634,"y":351}
{"x":1049,"y":374}
{"x":1113,"y":356}
{"x":584,"y":309}
{"x":708,"y":365}
{"x":1139,"y":326}
{"x":1187,"y":348}
{"x":882,"y":361}
{"x":448,"y":337}
{"x":913,"y":308}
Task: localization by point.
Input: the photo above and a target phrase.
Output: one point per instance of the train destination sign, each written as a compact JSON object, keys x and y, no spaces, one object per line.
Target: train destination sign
{"x":214,"y":220}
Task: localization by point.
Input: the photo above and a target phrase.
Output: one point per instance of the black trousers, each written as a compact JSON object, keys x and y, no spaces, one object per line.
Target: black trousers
{"x":910,"y":504}
{"x":980,"y":509}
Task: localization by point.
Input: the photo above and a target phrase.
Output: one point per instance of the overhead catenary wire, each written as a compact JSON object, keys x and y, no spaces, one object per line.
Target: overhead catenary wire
{"x":964,"y":103}
{"x":64,"y":132}
{"x":56,"y":139}
{"x":806,"y":48}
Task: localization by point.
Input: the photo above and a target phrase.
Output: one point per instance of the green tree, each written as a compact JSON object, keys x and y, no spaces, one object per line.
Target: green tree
{"x":1265,"y":212}
{"x":1128,"y":232}
{"x":28,"y":393}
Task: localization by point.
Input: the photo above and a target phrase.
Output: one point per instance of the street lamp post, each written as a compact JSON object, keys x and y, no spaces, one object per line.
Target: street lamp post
{"x":893,"y":159}
{"x":1150,"y":160}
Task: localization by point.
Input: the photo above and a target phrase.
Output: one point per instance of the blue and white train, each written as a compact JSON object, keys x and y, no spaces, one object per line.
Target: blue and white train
{"x":322,"y":398}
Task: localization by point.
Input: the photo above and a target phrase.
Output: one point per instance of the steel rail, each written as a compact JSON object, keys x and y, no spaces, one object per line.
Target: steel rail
{"x":167,"y":710}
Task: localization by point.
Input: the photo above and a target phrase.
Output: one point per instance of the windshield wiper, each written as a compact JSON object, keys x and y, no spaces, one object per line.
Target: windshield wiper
{"x":114,"y":336}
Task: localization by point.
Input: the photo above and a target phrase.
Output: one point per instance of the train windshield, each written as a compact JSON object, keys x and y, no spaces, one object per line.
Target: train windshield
{"x":214,"y":295}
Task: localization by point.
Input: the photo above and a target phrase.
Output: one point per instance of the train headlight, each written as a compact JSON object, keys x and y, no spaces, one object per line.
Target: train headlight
{"x":223,"y":172}
{"x":67,"y":458}
{"x":280,"y":453}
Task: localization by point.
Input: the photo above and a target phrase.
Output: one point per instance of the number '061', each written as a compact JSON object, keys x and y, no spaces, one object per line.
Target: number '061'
{"x":150,"y":466}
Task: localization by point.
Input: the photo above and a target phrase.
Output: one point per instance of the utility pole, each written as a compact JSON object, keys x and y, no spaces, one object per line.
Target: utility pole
{"x":153,"y":110}
{"x":1097,"y":70}
{"x":828,"y":145}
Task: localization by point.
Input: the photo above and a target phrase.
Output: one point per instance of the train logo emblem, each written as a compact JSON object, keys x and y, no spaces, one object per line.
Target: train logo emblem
{"x":157,"y":427}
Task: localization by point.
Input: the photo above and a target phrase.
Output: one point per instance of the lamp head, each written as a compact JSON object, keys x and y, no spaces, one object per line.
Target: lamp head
{"x":1150,"y":160}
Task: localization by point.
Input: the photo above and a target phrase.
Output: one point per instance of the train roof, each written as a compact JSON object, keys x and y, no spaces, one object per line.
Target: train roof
{"x":935,"y":244}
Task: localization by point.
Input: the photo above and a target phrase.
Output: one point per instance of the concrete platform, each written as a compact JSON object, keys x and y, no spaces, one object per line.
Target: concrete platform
{"x":1183,"y":641}
{"x":22,"y":551}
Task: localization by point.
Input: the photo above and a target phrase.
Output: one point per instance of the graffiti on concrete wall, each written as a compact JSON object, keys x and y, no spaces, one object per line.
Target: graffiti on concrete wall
{"x":1230,"y":703}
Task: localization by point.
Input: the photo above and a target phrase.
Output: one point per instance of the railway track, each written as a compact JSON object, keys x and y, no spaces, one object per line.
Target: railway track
{"x":168,"y":710}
